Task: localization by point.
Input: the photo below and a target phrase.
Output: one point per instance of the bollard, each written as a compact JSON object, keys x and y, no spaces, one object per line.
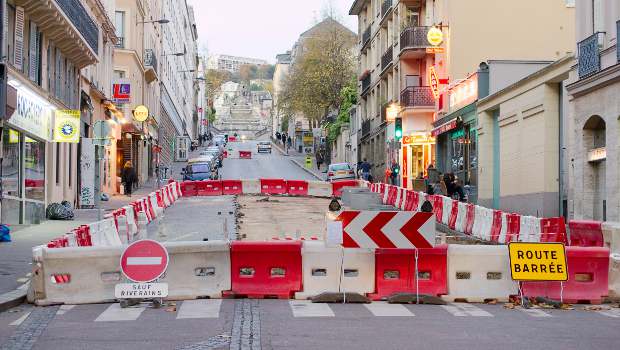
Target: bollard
{"x":122,"y":229}
{"x":142,"y":221}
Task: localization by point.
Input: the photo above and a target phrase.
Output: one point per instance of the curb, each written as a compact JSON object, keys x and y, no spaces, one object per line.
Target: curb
{"x":14,"y":298}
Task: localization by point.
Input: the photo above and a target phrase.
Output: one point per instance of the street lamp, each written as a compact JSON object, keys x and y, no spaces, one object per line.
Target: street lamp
{"x":160,"y":21}
{"x":187,"y":71}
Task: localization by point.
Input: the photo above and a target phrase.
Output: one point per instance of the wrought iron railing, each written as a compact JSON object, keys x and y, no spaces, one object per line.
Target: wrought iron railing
{"x":120,"y":43}
{"x":417,"y":96}
{"x":414,"y":38}
{"x":385,"y":7}
{"x":150,"y":59}
{"x":366,"y":36}
{"x":386,"y":59}
{"x":365,"y":83}
{"x":75,"y":11}
{"x":589,"y":56}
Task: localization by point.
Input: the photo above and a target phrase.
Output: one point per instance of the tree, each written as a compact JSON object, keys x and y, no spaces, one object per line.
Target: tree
{"x":349,"y":99}
{"x":326,"y":65}
{"x":215,"y":78}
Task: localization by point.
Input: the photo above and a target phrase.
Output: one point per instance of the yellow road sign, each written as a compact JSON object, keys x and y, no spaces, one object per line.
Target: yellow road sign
{"x":537,"y":261}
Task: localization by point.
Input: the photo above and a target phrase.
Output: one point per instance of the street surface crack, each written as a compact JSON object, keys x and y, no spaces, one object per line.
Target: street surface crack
{"x":246,"y":326}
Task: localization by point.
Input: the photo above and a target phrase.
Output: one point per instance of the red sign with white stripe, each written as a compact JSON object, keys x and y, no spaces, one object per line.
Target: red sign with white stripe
{"x":387,"y":229}
{"x":144,"y":261}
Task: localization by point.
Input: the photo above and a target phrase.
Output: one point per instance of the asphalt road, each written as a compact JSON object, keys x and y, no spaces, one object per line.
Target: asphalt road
{"x":290,"y":324}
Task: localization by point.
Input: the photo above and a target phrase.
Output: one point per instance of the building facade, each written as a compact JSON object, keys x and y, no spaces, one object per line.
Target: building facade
{"x":594,"y":125}
{"x":47,"y":43}
{"x":283,"y":63}
{"x":232,"y":63}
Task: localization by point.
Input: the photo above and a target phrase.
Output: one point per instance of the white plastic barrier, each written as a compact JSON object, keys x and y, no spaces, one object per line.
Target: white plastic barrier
{"x":611,"y":235}
{"x":614,"y":276}
{"x":530,"y":229}
{"x":89,"y":274}
{"x":123,"y":232}
{"x":250,"y":186}
{"x":166,"y":199}
{"x":197,"y":269}
{"x":504,"y":229}
{"x":476,"y":230}
{"x":460,"y":217}
{"x":104,"y":234}
{"x":71,"y":239}
{"x":319,"y":189}
{"x":132,"y":226}
{"x":322,"y":268}
{"x":142,"y":223}
{"x":479,"y":272}
{"x":447,"y":209}
{"x":153,"y":202}
{"x":422,"y":197}
{"x":146,"y":210}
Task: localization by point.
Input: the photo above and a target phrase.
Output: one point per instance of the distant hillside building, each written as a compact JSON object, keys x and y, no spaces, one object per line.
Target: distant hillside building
{"x":232,"y":63}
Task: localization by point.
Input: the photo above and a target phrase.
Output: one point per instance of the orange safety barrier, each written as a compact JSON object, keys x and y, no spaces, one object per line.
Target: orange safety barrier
{"x":245,"y":154}
{"x":585,"y":233}
{"x":588,"y":272}
{"x":297,"y":187}
{"x":395,"y":271}
{"x":496,"y":226}
{"x":514,"y":227}
{"x":209,"y":188}
{"x":265,"y":269}
{"x":232,"y":187}
{"x":553,"y":230}
{"x":188,"y":189}
{"x":338,"y":185}
{"x":273,"y":186}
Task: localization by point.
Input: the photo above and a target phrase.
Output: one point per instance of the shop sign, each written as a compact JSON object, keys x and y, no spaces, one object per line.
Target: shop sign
{"x":433,"y":81}
{"x":435,"y":50}
{"x":417,"y":139}
{"x":121,"y":92}
{"x":33,"y":114}
{"x":597,"y":154}
{"x":434,"y":36}
{"x":464,"y":92}
{"x":67,"y":126}
{"x":444,"y":127}
{"x":141,"y":113}
{"x":458,"y":134}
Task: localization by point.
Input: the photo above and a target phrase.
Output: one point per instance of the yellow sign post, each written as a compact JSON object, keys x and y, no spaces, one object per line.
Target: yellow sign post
{"x":537,"y":261}
{"x":67,"y":126}
{"x":308,"y":162}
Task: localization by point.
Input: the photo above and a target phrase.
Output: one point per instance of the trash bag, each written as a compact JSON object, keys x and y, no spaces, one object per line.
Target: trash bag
{"x":60,"y":211}
{"x":5,"y":233}
{"x":105,"y":197}
{"x":427,"y":207}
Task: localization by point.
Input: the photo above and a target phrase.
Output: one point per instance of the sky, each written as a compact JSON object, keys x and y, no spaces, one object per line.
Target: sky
{"x":260,"y":28}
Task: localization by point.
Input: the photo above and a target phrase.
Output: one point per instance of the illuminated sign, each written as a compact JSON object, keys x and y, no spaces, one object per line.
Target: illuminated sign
{"x":391,"y":112}
{"x":33,"y":113}
{"x":444,"y":127}
{"x":433,"y":81}
{"x":121,"y":92}
{"x":417,"y":139}
{"x":597,"y":154}
{"x":464,"y":92}
{"x":67,"y":126}
{"x":537,"y":261}
{"x":435,"y":50}
{"x":434,"y":36}
{"x":141,"y":113}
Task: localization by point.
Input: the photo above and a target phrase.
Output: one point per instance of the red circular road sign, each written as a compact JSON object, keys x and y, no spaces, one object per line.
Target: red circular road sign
{"x":144,"y":260}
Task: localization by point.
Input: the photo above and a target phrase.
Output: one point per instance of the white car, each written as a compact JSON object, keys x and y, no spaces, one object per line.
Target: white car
{"x":340,"y":171}
{"x":264,"y":147}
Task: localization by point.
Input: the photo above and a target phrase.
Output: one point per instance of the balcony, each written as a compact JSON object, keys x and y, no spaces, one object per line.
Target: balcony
{"x":414,"y":40}
{"x":365,"y":127}
{"x":120,"y":44}
{"x":386,"y":6}
{"x":365,"y":84}
{"x":365,"y":37}
{"x":150,"y":63}
{"x":68,"y":25}
{"x":417,"y":96}
{"x":386,"y":59}
{"x":589,"y":56}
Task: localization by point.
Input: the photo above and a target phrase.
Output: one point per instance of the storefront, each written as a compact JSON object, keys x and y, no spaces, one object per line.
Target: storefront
{"x":24,"y":138}
{"x":418,"y":152}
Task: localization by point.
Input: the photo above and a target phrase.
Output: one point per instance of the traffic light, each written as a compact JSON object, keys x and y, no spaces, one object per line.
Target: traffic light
{"x":398,"y":128}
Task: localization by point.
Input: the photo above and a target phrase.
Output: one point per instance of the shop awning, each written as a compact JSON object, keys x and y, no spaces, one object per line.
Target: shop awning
{"x":444,"y":127}
{"x":131,"y":128}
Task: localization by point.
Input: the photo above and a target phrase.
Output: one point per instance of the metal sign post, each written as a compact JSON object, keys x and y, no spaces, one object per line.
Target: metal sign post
{"x":101,"y":132}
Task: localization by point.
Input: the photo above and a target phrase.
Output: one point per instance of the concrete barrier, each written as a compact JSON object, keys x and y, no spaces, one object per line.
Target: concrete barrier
{"x":477,"y":273}
{"x":251,"y":186}
{"x":322,"y":268}
{"x":319,"y":189}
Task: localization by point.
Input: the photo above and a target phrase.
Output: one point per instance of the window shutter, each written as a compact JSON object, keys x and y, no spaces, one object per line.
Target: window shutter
{"x":33,"y":55}
{"x":19,"y":38}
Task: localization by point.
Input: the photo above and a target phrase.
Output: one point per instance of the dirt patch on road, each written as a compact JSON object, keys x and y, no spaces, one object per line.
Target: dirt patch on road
{"x":261,"y":218}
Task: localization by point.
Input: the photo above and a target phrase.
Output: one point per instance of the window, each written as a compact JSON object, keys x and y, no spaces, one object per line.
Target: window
{"x":569,"y":3}
{"x":598,"y":24}
{"x":34,"y":54}
{"x":119,"y":23}
{"x":34,"y":168}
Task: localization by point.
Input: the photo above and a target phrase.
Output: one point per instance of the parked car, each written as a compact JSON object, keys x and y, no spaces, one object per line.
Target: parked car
{"x":215,"y":152}
{"x":264,"y":146}
{"x":219,"y":140}
{"x":340,"y":171}
{"x":203,"y":168}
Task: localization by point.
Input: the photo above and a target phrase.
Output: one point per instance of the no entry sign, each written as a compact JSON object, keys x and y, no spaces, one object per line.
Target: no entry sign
{"x":144,"y":261}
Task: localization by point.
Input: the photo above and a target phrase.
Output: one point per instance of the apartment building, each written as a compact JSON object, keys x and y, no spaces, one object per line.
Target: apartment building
{"x":283,"y":63}
{"x":412,"y":51}
{"x":593,"y":159}
{"x":232,"y":63}
{"x":47,"y":43}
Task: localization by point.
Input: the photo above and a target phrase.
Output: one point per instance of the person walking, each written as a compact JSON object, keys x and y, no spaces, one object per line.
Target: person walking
{"x":289,"y":143}
{"x":128,"y":177}
{"x":365,"y":167}
{"x":319,"y":159}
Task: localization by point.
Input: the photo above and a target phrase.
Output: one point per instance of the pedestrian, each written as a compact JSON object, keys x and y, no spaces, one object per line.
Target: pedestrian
{"x":128,"y":177}
{"x":365,"y":167}
{"x":388,"y":175}
{"x":289,"y":143}
{"x":394,"y":173}
{"x":319,"y":159}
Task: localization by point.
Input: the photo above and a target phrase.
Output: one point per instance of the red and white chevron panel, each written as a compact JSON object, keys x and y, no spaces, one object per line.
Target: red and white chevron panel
{"x":387,"y":229}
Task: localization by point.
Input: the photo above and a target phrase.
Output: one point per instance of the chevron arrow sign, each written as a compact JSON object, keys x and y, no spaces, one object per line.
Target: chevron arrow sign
{"x":387,"y":229}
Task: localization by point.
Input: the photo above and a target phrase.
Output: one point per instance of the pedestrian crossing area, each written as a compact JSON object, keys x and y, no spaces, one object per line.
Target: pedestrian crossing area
{"x":304,"y":309}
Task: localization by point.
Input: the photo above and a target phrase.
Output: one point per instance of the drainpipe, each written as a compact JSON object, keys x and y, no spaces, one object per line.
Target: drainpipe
{"x":561,"y":149}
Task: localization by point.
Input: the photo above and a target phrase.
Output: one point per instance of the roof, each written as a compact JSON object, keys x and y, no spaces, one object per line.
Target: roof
{"x":356,"y":7}
{"x":324,"y":23}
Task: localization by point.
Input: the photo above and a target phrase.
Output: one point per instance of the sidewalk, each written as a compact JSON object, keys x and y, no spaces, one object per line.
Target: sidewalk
{"x":300,"y":160}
